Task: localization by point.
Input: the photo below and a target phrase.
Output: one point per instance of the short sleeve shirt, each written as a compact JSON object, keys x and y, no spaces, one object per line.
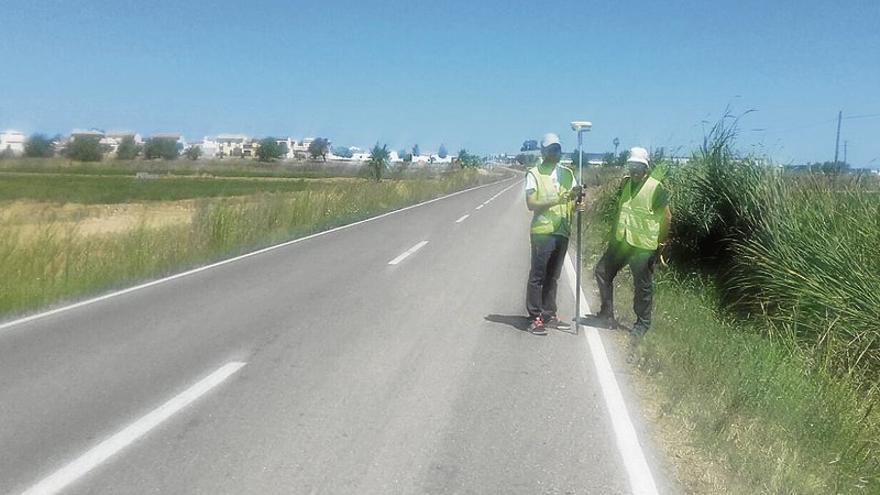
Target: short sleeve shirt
{"x":531,"y":184}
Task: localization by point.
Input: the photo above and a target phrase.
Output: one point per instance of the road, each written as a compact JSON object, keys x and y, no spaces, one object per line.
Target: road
{"x":386,"y":357}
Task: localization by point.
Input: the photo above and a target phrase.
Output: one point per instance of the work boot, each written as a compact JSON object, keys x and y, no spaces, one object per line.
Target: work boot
{"x":601,"y":320}
{"x":536,"y":327}
{"x":638,"y":331}
{"x":554,"y":322}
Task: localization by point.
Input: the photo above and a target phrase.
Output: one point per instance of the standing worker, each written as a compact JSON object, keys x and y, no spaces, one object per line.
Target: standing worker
{"x":551,"y":193}
{"x":642,"y":226}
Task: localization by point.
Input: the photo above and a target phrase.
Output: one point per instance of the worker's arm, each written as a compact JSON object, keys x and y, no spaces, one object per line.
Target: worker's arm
{"x":664,"y":224}
{"x":535,"y":204}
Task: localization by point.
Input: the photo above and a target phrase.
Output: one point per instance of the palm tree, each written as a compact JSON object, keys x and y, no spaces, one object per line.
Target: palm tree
{"x":378,"y":161}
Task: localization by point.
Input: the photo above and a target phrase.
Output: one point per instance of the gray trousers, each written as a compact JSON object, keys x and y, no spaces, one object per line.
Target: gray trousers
{"x":548,"y":255}
{"x":641,"y":264}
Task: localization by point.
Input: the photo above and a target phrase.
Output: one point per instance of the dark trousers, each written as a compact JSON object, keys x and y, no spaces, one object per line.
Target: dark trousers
{"x":548,"y":255}
{"x":641,"y":264}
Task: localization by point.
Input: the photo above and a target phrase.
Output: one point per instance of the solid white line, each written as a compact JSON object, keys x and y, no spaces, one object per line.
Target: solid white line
{"x":640,"y":479}
{"x":477,"y":208}
{"x":87,"y":302}
{"x":499,"y":193}
{"x":462,"y":219}
{"x":408,"y":252}
{"x":58,"y":480}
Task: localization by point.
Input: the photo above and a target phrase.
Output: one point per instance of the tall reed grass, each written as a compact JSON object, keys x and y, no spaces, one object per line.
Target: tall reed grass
{"x":800,"y":253}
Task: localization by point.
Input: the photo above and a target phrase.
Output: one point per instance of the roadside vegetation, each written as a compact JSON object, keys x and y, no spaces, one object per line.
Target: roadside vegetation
{"x":51,"y":261}
{"x":228,"y":167}
{"x":96,"y":189}
{"x":764,"y":356}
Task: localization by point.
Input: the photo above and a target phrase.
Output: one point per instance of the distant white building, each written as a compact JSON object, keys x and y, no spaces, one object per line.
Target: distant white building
{"x":435,"y":159}
{"x":170,"y":136}
{"x":302,"y":146}
{"x":210,"y":148}
{"x":360,"y":157}
{"x":289,"y":143}
{"x":113,"y":139}
{"x":83,"y":133}
{"x":231,"y":144}
{"x":12,"y":141}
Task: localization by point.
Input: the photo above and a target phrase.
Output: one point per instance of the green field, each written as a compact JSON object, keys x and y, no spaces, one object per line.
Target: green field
{"x":217,"y":168}
{"x":101,"y":189}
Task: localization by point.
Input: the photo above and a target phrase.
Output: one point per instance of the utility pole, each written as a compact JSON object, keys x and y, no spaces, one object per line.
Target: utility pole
{"x":837,"y":141}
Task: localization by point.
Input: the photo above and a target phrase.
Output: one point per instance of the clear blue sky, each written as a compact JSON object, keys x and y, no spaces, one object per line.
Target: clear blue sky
{"x":477,"y":74}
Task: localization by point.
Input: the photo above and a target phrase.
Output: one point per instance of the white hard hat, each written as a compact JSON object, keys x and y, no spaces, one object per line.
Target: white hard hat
{"x":550,"y":138}
{"x":638,"y":155}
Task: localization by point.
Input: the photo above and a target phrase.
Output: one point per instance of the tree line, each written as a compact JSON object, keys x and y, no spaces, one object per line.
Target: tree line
{"x":90,"y":149}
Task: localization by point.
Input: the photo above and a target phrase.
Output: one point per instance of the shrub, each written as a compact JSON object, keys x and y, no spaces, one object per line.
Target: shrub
{"x":38,"y":146}
{"x":85,"y":149}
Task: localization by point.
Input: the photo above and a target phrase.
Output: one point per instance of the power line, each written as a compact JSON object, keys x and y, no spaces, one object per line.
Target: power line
{"x":863,"y":116}
{"x":795,"y":128}
{"x":815,"y":124}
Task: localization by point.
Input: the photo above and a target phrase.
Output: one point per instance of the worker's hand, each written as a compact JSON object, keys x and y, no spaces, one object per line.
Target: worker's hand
{"x":663,"y":254}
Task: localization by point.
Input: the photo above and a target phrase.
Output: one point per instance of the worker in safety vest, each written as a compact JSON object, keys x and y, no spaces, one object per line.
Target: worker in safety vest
{"x":552,"y":193}
{"x":642,"y":225}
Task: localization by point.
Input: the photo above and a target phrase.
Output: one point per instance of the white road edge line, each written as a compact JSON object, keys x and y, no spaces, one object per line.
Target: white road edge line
{"x":87,"y":302}
{"x":408,"y":252}
{"x":640,"y":479}
{"x":462,"y":219}
{"x":63,"y":477}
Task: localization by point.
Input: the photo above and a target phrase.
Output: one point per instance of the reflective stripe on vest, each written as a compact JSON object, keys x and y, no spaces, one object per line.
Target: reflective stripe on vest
{"x":638,"y":223}
{"x":557,"y":218}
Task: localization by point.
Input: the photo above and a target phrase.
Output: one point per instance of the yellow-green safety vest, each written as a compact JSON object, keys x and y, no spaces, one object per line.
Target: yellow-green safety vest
{"x":557,"y":218}
{"x":637,"y":222}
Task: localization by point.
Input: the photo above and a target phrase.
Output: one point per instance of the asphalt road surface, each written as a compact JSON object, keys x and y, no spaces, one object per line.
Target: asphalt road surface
{"x":386,"y":357}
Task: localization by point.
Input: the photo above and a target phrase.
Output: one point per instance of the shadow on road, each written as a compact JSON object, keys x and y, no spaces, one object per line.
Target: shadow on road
{"x":601,"y":323}
{"x":518,"y":322}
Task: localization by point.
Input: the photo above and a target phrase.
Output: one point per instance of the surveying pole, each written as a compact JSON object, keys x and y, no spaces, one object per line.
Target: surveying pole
{"x":579,"y":126}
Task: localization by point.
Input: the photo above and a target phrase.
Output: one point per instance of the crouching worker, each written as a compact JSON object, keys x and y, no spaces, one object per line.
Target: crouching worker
{"x":551,"y":194}
{"x":642,"y":226}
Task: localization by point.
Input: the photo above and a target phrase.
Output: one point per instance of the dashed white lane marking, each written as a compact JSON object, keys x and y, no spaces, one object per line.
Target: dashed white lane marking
{"x":462,"y":219}
{"x":87,"y":302}
{"x":408,"y":252}
{"x":482,"y":205}
{"x":61,"y":478}
{"x":640,"y":479}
